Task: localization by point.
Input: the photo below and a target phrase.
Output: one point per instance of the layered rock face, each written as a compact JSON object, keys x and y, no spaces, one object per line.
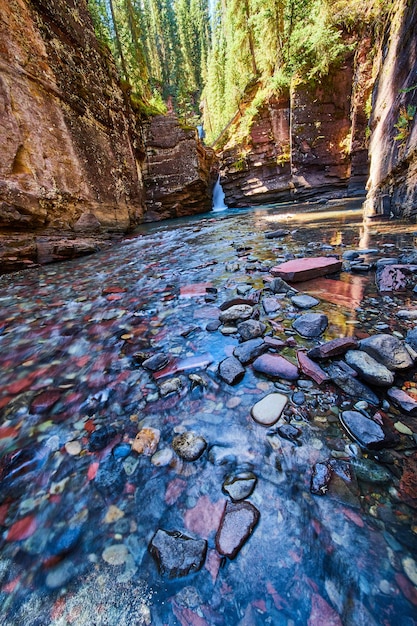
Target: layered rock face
{"x":70,"y":142}
{"x":392,"y":185}
{"x":176,"y":171}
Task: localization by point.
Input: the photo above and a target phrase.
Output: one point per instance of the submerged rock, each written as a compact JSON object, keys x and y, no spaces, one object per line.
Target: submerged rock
{"x":320,"y":478}
{"x":278,"y":285}
{"x":155,"y":362}
{"x":311,"y":325}
{"x":236,"y":526}
{"x":388,"y":350}
{"x":239,"y":485}
{"x":369,"y":369}
{"x":364,"y":430}
{"x":251,"y":329}
{"x":176,"y":554}
{"x":370,"y":471}
{"x":189,"y":446}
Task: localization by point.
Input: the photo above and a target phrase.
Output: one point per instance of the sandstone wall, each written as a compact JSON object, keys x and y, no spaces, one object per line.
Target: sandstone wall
{"x":392,"y":185}
{"x":70,"y":144}
{"x":176,"y":170}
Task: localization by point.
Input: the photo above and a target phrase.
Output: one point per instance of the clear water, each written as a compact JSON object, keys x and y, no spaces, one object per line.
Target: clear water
{"x":348,"y":557}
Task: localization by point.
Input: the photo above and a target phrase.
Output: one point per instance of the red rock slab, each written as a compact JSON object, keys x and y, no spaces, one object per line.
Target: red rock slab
{"x":298,"y":270}
{"x":311,"y":369}
{"x":335,"y":347}
{"x":194,"y":290}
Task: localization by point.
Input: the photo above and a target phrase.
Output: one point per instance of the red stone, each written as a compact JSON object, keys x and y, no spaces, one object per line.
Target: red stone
{"x":22,"y":529}
{"x":347,"y":292}
{"x":311,"y":369}
{"x":335,"y":347}
{"x":205,"y":517}
{"x":322,"y":613}
{"x":194,"y":290}
{"x":307,"y":268}
{"x":45,"y":401}
{"x":200,"y":361}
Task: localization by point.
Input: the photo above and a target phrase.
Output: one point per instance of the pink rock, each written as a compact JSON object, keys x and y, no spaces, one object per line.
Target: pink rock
{"x":45,"y":401}
{"x":194,"y":290}
{"x":392,"y":278}
{"x":22,"y":529}
{"x":307,"y":268}
{"x":335,"y":347}
{"x":275,"y":366}
{"x":212,"y":564}
{"x":200,"y":361}
{"x":311,"y":369}
{"x":205,"y":517}
{"x":322,"y":613}
{"x":239,"y":520}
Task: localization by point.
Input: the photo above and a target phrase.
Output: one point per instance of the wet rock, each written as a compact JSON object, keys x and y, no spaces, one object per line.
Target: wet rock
{"x":278,"y":285}
{"x":110,"y":478}
{"x":146,"y":441}
{"x":249,"y":350}
{"x":237,"y":525}
{"x":405,"y":314}
{"x":298,"y":398}
{"x":271,"y":305}
{"x":369,"y":369}
{"x":335,"y":347}
{"x":121,"y":451}
{"x":64,"y":541}
{"x":155,"y":362}
{"x":101,"y":438}
{"x":176,"y":554}
{"x":232,"y":266}
{"x":370,"y":471}
{"x":214,"y":325}
{"x":306,"y":268}
{"x":236,"y":312}
{"x":289,"y":432}
{"x":231,"y":370}
{"x":189,"y":446}
{"x":304,"y":301}
{"x":364,"y":430}
{"x":320,"y":478}
{"x":403,"y":400}
{"x":274,"y":343}
{"x":268,"y":410}
{"x":239,"y":485}
{"x":88,"y":223}
{"x":351,"y":385}
{"x":60,"y":575}
{"x":251,"y":329}
{"x":311,"y":369}
{"x":391,"y":278}
{"x":310,"y":325}
{"x":277,"y":234}
{"x":349,"y":255}
{"x":388,"y":350}
{"x":411,"y":338}
{"x":173,"y":385}
{"x":275,"y":366}
{"x":116,"y":554}
{"x":228,"y":330}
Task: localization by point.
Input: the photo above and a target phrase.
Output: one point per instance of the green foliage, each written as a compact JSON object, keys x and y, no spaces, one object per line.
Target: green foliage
{"x":403,"y":124}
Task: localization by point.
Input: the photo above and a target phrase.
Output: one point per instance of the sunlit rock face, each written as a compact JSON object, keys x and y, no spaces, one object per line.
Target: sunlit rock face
{"x":176,"y":172}
{"x":393,"y":144}
{"x":70,"y":142}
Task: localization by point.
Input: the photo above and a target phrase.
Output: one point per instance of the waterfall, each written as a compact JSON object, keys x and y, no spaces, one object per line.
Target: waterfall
{"x":218,"y":197}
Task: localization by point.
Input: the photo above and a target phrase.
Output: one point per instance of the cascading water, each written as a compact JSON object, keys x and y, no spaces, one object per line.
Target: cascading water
{"x":218,"y":197}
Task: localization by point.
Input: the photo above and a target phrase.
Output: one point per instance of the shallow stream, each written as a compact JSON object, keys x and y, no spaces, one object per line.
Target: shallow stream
{"x":77,"y":522}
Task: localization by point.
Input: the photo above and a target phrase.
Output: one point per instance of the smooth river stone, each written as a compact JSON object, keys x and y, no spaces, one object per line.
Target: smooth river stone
{"x":231,"y":370}
{"x":249,"y":350}
{"x":369,"y":369}
{"x":298,"y":270}
{"x":364,"y":430}
{"x":388,"y":350}
{"x":189,"y":446}
{"x":236,"y":312}
{"x":275,"y":366}
{"x":236,"y":527}
{"x":239,"y":485}
{"x":268,"y":410}
{"x":304,"y":301}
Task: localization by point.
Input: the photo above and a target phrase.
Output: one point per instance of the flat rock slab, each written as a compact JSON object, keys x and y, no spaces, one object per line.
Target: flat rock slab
{"x":369,"y":369}
{"x":306,"y":268}
{"x":236,"y":527}
{"x":335,"y":347}
{"x":268,"y":410}
{"x":388,"y":350}
{"x":304,"y":301}
{"x":403,"y":400}
{"x":311,"y":325}
{"x":276,"y":234}
{"x":275,"y":366}
{"x":311,"y":369}
{"x":176,"y":554}
{"x":364,"y":430}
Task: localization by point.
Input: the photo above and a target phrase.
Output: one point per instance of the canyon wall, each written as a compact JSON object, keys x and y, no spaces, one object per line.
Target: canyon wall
{"x":392,"y":185}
